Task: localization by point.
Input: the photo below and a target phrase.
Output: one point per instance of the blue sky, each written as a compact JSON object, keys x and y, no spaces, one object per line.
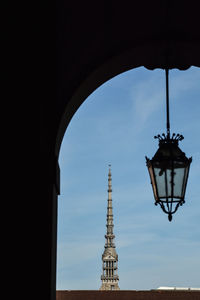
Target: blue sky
{"x":116,"y":124}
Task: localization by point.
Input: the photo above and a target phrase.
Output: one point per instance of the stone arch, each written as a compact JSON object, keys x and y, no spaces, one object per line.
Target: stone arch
{"x":149,"y":55}
{"x":94,"y":44}
{"x":117,"y":65}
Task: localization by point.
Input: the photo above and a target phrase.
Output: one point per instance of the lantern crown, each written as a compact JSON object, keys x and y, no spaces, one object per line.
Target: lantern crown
{"x":168,"y":148}
{"x":166,"y":139}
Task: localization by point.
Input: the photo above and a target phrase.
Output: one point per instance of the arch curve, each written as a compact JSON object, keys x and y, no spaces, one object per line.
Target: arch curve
{"x":95,"y":42}
{"x":150,"y":55}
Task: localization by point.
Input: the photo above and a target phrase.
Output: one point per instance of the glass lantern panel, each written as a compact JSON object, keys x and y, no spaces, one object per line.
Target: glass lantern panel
{"x":169,"y":182}
{"x":160,"y":181}
{"x":178,"y":181}
{"x":186,"y":172}
{"x":153,"y":181}
{"x":185,"y":180}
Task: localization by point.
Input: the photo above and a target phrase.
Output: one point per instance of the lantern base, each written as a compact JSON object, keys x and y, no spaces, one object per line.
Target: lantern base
{"x":170,"y":217}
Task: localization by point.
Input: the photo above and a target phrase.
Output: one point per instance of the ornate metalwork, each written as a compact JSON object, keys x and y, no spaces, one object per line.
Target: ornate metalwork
{"x":165,"y":138}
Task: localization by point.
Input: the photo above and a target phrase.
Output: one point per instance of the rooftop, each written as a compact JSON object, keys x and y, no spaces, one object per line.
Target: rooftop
{"x":167,"y":288}
{"x":133,"y":295}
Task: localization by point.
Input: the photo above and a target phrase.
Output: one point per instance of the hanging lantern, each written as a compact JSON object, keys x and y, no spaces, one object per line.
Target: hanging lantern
{"x":169,"y":169}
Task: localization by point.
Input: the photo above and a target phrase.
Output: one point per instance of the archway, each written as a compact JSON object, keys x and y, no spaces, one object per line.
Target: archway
{"x":141,"y":55}
{"x":88,"y":39}
{"x":151,"y":137}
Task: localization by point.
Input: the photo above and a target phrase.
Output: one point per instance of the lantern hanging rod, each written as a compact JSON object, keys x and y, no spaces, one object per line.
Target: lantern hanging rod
{"x":167,"y":101}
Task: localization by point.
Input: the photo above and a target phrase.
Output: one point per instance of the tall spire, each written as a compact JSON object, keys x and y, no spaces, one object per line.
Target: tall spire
{"x":109,"y":258}
{"x":109,"y":235}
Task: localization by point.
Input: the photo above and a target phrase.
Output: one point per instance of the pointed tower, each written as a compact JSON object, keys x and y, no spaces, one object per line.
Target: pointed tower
{"x":109,"y":277}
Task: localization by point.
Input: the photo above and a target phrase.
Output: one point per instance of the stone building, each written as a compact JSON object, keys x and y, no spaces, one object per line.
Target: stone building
{"x":109,"y":276}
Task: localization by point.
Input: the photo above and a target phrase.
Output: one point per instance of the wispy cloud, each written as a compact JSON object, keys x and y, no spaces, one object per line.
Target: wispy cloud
{"x":184,"y":81}
{"x":147,"y":98}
